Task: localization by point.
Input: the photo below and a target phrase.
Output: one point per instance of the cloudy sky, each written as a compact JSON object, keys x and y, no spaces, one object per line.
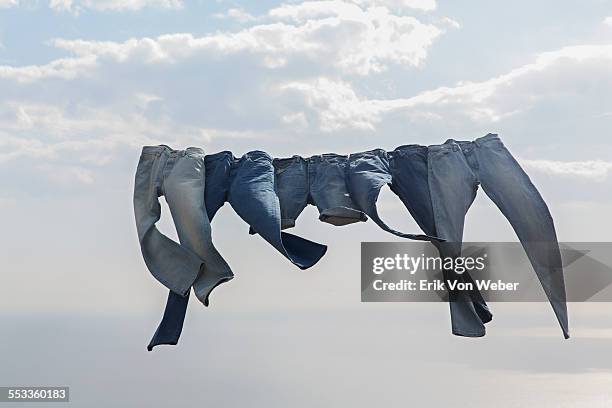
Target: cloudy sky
{"x":85,"y":83}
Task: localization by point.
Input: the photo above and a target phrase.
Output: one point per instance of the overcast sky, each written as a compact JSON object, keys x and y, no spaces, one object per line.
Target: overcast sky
{"x":85,"y":83}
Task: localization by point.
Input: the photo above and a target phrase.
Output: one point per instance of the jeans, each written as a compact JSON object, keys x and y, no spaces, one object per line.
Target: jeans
{"x":248,"y":185}
{"x":319,"y":180}
{"x":367,"y":173}
{"x":254,"y":198}
{"x":457,"y":168}
{"x":178,"y":175}
{"x":410,"y":181}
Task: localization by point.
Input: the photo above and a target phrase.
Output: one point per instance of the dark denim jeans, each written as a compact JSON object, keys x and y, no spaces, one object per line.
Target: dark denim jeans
{"x":457,"y":168}
{"x":409,"y":168}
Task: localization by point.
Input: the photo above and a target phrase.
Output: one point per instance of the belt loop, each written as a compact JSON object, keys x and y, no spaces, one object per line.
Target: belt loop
{"x":477,"y":142}
{"x":455,"y":148}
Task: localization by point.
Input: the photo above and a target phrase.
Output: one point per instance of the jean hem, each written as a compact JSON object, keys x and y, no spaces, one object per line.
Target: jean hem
{"x":205,"y":299}
{"x":340,"y":216}
{"x":469,"y":334}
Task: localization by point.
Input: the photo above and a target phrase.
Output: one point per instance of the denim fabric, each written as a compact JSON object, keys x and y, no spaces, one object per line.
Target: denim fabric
{"x":254,"y":198}
{"x":329,"y":190}
{"x":409,"y":168}
{"x":292,"y":188}
{"x":217,"y":170}
{"x":456,"y":169}
{"x":320,"y":181}
{"x":170,"y":328}
{"x":367,"y":173}
{"x":179,"y":176}
{"x":248,"y":185}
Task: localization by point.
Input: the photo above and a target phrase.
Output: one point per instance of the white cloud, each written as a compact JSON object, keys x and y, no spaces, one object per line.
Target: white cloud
{"x":570,"y":70}
{"x":298,"y":120}
{"x":597,"y":170}
{"x":8,"y":3}
{"x":424,"y":5}
{"x":66,"y":175}
{"x":237,"y":14}
{"x":449,"y":22}
{"x":305,"y":61}
{"x":62,"y":5}
{"x":89,"y":136}
{"x":331,"y":35}
{"x":65,"y":68}
{"x":77,"y":6}
{"x":608,"y":21}
{"x":35,"y":130}
{"x":336,"y":103}
{"x":365,"y":40}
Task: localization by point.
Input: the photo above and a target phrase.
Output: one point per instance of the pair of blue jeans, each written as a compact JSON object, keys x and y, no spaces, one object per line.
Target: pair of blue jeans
{"x":410,"y":182}
{"x":318,"y":180}
{"x":368,"y":172}
{"x":179,"y":176}
{"x":248,"y":185}
{"x":455,"y":171}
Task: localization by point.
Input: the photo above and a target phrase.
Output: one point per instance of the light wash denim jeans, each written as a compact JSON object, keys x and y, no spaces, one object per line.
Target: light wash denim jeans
{"x":178,"y":175}
{"x":457,"y":168}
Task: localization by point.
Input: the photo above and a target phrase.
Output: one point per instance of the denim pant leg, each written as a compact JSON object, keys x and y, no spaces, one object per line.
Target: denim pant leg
{"x":184,"y":192}
{"x":216,"y":186}
{"x":172,"y":264}
{"x":291,"y":186}
{"x":327,"y":181}
{"x":510,"y":188}
{"x":453,"y":189}
{"x":368,"y":173}
{"x":410,"y":183}
{"x":254,"y":199}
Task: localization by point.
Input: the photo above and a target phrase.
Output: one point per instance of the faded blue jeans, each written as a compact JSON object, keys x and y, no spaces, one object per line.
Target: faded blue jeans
{"x":178,"y":175}
{"x":457,"y":168}
{"x":410,"y":171}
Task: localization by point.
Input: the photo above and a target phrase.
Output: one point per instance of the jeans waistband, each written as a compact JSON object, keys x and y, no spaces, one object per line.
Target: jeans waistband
{"x":226,"y":154}
{"x":284,"y":160}
{"x":327,"y":157}
{"x":373,"y":152}
{"x":406,"y":149}
{"x":165,"y":149}
{"x":253,"y":155}
{"x":456,"y":145}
